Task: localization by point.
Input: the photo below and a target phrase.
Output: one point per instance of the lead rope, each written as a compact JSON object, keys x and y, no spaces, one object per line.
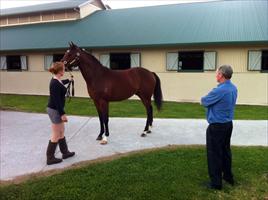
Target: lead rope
{"x":70,"y":93}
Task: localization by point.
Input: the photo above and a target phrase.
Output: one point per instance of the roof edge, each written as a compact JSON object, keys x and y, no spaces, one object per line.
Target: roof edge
{"x":265,"y":42}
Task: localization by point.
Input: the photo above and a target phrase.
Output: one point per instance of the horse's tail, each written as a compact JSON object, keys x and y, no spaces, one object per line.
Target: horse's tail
{"x":158,"y":97}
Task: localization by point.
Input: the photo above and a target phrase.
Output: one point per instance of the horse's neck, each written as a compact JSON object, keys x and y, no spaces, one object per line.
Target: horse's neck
{"x":91,"y":71}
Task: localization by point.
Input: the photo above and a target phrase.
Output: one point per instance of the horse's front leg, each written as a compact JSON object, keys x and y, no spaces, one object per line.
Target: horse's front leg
{"x":105,"y":138}
{"x":101,"y":126}
{"x":105,"y":117}
{"x":99,"y":110}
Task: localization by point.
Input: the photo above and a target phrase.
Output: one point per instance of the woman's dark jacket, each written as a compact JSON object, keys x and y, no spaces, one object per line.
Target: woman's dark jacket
{"x":57,"y":95}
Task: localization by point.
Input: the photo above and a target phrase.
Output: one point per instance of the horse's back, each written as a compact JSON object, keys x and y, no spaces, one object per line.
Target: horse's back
{"x":133,"y":73}
{"x":138,"y":76}
{"x":123,"y":84}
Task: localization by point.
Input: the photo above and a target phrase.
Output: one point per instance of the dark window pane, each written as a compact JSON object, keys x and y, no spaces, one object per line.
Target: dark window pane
{"x":119,"y":60}
{"x":57,"y":57}
{"x":13,"y":63}
{"x":191,"y":60}
{"x":264,"y":60}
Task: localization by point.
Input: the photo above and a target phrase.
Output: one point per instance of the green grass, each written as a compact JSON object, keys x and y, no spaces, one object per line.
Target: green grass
{"x":168,"y":173}
{"x":128,"y":108}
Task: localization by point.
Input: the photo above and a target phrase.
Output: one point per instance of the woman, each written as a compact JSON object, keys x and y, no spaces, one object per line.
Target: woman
{"x":55,"y":110}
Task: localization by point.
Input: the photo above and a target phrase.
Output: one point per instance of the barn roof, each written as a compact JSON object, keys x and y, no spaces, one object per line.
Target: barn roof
{"x":219,"y":22}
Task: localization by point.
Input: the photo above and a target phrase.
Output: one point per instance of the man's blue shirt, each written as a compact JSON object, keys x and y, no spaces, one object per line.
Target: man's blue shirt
{"x":220,"y":103}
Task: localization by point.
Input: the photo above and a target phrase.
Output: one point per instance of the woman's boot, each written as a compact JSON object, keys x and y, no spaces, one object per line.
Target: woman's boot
{"x":51,"y":148}
{"x":64,"y":149}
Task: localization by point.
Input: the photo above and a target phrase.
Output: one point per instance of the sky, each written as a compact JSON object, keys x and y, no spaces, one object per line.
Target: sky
{"x":114,"y":4}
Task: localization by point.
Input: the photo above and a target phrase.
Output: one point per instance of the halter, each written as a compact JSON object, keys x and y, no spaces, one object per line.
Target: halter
{"x":71,"y":83}
{"x":68,"y":93}
{"x":74,"y":60}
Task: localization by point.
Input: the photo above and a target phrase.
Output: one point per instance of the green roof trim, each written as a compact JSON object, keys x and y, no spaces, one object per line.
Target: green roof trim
{"x":219,"y":22}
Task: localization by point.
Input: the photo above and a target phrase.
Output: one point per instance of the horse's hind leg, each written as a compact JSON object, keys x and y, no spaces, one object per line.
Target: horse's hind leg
{"x":147,"y":103}
{"x":150,"y":118}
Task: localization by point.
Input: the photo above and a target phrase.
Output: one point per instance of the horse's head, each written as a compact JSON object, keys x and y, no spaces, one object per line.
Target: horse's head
{"x":71,"y":57}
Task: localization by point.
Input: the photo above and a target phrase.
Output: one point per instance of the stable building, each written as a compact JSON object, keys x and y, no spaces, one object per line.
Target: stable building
{"x":182,"y":43}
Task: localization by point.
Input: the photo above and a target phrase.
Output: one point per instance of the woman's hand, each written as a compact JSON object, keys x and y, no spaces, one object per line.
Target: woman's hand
{"x":64,"y":118}
{"x":71,"y":78}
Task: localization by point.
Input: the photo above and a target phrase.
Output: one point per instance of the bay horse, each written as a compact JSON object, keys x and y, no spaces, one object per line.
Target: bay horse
{"x":105,"y":85}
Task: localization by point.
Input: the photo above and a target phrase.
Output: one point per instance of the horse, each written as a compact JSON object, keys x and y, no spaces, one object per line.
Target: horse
{"x":105,"y":85}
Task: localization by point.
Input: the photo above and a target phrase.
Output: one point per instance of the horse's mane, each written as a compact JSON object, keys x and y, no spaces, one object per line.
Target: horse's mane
{"x":93,"y":57}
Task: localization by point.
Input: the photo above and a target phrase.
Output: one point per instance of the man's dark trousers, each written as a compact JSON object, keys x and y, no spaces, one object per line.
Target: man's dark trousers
{"x":219,"y":154}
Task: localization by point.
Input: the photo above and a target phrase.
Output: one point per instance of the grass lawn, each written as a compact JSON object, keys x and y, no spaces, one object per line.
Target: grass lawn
{"x":128,"y":108}
{"x":167,"y":173}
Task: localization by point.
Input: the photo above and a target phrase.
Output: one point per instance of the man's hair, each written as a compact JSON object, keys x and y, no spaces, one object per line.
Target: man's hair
{"x":226,"y":71}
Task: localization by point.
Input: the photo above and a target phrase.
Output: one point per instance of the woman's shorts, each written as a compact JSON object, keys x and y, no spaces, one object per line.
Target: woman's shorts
{"x":54,"y":116}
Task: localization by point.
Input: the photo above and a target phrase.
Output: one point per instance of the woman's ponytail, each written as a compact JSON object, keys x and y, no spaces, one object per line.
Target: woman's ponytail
{"x":56,"y":67}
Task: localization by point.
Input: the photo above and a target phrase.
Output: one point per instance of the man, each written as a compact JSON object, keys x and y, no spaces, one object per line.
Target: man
{"x":220,"y":104}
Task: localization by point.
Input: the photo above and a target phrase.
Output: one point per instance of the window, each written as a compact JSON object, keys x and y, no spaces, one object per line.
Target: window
{"x":49,"y":59}
{"x":191,"y":61}
{"x":57,"y":57}
{"x":13,"y":63}
{"x":258,"y":60}
{"x":120,"y":61}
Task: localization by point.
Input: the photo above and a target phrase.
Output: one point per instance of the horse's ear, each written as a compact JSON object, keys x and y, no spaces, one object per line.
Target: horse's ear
{"x":70,"y":44}
{"x":73,"y":44}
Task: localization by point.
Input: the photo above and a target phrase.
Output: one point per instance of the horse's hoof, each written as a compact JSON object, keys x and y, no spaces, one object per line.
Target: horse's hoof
{"x":149,"y":131}
{"x":103,"y":142}
{"x":99,"y":138}
{"x":143,"y":135}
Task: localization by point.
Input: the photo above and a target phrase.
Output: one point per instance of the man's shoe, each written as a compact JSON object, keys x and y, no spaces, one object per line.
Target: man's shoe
{"x":213,"y":187}
{"x":230,"y":181}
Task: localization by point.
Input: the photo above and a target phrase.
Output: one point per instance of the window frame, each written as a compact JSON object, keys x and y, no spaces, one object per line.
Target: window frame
{"x":170,"y":68}
{"x":261,"y":61}
{"x":105,"y":58}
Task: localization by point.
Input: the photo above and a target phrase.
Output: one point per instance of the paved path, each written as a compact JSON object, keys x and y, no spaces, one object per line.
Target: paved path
{"x":24,"y":138}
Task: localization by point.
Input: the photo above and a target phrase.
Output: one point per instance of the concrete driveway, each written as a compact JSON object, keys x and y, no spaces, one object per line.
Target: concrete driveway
{"x":24,"y":138}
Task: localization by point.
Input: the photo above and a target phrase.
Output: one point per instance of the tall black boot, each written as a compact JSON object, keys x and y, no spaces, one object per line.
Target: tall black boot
{"x":51,"y":148}
{"x":64,"y":149}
